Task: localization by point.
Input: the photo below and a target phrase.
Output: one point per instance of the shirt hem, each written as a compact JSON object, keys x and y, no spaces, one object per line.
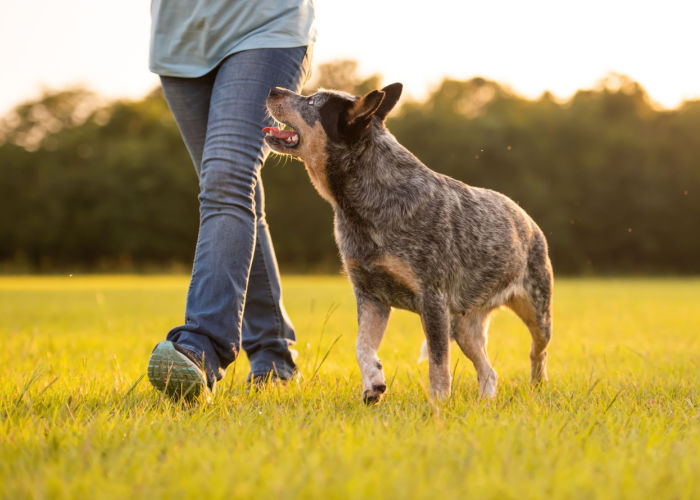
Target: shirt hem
{"x":177,"y":71}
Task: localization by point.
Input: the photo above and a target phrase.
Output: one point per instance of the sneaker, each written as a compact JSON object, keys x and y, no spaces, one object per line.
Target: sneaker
{"x":176,"y":371}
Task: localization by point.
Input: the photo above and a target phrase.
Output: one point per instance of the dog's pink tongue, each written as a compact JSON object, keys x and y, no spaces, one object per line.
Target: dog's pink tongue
{"x":276,"y":132}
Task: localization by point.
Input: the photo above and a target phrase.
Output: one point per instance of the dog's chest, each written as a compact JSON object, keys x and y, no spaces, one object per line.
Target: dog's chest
{"x":375,"y":270}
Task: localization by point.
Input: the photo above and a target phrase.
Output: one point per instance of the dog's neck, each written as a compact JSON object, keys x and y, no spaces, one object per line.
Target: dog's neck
{"x":377,"y":180}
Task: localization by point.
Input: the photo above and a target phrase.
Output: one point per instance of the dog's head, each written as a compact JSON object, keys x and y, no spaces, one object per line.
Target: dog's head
{"x":327,"y":117}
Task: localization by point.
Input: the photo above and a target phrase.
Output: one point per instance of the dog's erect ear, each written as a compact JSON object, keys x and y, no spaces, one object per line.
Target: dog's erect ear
{"x":391,"y":97}
{"x":362,"y":110}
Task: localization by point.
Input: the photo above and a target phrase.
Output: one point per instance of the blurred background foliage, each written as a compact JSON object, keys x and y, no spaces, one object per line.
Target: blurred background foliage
{"x":108,"y":186}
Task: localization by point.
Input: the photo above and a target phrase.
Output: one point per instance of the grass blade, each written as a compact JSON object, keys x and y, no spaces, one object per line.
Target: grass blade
{"x":326,"y":355}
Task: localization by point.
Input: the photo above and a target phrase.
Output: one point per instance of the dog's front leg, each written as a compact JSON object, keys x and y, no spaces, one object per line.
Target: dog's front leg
{"x":436,"y":324}
{"x":372,"y":319}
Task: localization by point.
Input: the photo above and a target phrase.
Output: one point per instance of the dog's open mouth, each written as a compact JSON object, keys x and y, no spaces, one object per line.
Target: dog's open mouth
{"x":285,"y":138}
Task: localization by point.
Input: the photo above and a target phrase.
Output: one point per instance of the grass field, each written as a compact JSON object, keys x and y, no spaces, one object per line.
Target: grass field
{"x":620,"y":417}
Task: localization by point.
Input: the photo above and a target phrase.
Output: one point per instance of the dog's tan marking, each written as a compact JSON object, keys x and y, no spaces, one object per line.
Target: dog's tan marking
{"x":311,"y":149}
{"x":523,"y":307}
{"x":365,"y":106}
{"x":400,"y":270}
{"x":313,"y":152}
{"x":471,"y":335}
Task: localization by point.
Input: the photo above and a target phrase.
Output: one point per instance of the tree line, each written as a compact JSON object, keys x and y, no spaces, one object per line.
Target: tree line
{"x":611,"y":179}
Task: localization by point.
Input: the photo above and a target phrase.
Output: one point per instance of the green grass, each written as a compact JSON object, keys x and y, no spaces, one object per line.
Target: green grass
{"x":620,"y":417}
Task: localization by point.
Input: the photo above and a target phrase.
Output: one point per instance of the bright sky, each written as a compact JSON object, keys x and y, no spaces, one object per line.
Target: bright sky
{"x":532,"y":46}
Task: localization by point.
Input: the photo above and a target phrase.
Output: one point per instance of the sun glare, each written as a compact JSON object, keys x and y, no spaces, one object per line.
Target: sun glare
{"x":532,"y":47}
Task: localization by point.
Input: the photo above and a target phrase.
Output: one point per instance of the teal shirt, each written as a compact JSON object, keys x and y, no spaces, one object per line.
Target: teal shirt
{"x":190,"y":37}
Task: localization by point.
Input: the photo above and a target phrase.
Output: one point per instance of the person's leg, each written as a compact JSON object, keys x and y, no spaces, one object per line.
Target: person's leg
{"x":232,"y":156}
{"x":188,"y":99}
{"x":171,"y":368}
{"x":267,"y":332}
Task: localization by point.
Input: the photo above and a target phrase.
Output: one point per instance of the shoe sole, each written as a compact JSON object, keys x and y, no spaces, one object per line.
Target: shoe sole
{"x":172,"y":373}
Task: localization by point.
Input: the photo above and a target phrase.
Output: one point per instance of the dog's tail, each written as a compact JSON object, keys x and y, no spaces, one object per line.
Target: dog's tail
{"x":423,"y":356}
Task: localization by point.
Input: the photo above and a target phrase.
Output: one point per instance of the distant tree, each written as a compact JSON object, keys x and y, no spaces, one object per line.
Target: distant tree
{"x":598,"y":173}
{"x":115,"y":186}
{"x":31,"y":122}
{"x":613,"y":181}
{"x":341,"y":75}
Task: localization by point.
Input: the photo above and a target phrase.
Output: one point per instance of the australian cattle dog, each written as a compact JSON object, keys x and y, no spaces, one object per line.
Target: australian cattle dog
{"x":415,"y":239}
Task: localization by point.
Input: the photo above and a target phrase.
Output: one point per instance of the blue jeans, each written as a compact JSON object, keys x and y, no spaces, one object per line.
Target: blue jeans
{"x":234,"y":299}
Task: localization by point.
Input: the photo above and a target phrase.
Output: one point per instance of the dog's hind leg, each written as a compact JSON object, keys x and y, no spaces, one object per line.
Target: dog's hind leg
{"x":372,"y":319}
{"x":470,"y":332}
{"x":436,"y":324}
{"x":539,"y":322}
{"x":534,"y":306}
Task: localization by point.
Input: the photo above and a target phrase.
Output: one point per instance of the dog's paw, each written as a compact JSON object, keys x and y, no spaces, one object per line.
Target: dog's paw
{"x":440,"y":395}
{"x":487,"y":386}
{"x":538,"y":375}
{"x":374,"y":395}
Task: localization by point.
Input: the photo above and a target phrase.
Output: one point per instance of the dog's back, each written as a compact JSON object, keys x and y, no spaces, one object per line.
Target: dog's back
{"x":473,"y":244}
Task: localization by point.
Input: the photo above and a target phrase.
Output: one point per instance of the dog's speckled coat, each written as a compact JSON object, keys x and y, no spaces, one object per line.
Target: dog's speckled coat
{"x":415,"y":239}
